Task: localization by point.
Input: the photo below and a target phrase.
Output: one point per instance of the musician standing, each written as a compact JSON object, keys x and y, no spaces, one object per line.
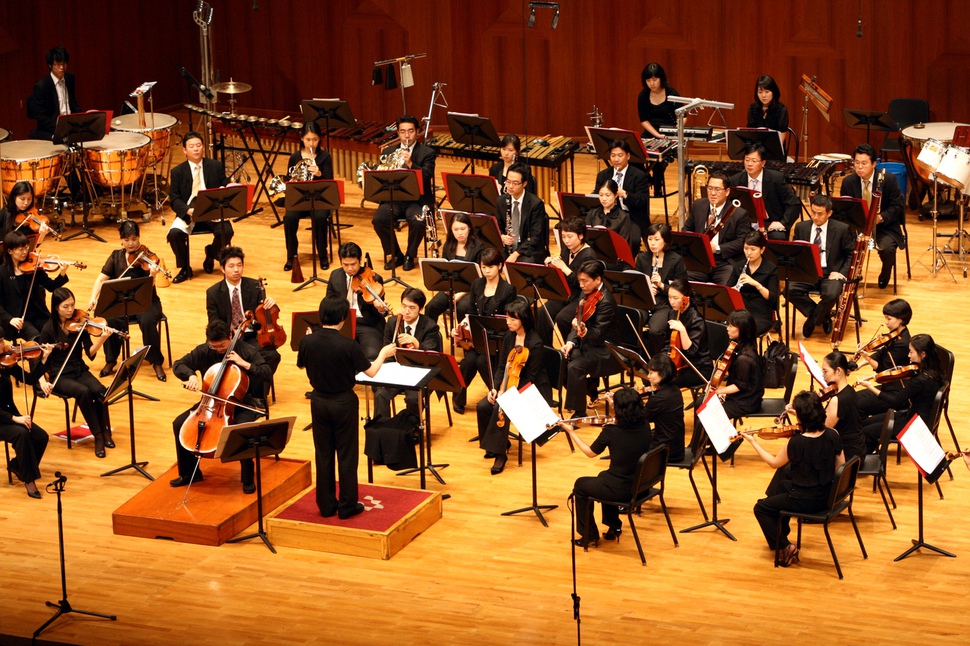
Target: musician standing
{"x":767,"y":110}
{"x":781,"y":203}
{"x":53,"y":95}
{"x":632,"y":183}
{"x":196,"y":173}
{"x":23,"y":305}
{"x":836,"y":243}
{"x":319,"y":166}
{"x":707,"y":214}
{"x":370,"y":320}
{"x":656,"y":110}
{"x":529,"y":224}
{"x":419,"y":157}
{"x":888,"y":233}
{"x":757,"y":281}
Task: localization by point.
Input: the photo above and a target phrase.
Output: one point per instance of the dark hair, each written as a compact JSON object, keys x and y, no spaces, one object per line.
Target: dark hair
{"x":747,"y":328}
{"x":929,"y":364}
{"x":20,"y":188}
{"x":58,"y":296}
{"x":900,"y":309}
{"x":767,"y":83}
{"x":592,"y":268}
{"x":409,"y":119}
{"x":451,"y":242}
{"x":721,"y":175}
{"x":491,"y":258}
{"x":514,"y":140}
{"x":653,"y":70}
{"x":610,"y":184}
{"x":189,"y":136}
{"x":518,"y":308}
{"x":755,"y":147}
{"x":574,"y":225}
{"x":217,"y":330}
{"x":663,"y":229}
{"x":350,"y":250}
{"x":836,"y":360}
{"x":865,"y":149}
{"x":414,"y":295}
{"x":57,"y":55}
{"x":756,"y":239}
{"x":522,"y":170}
{"x":682,"y":285}
{"x":628,"y":408}
{"x":128,"y":228}
{"x":808,"y":409}
{"x":822,"y":200}
{"x":333,"y":309}
{"x":13,"y":240}
{"x":311,"y":127}
{"x":663,"y":365}
{"x":231,"y":252}
{"x":622,"y":145}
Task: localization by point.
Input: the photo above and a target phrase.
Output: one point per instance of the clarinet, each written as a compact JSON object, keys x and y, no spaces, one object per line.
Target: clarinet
{"x":654,"y":272}
{"x":508,"y":225}
{"x":744,"y":270}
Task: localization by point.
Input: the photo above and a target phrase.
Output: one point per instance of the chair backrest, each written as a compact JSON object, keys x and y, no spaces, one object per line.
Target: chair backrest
{"x":937,"y":411}
{"x":844,"y":483}
{"x":947,"y":361}
{"x":906,"y":112}
{"x":630,"y":336}
{"x":792,"y":375}
{"x":792,"y":139}
{"x":717,"y":338}
{"x":888,"y":430}
{"x":698,"y":439}
{"x":651,"y":468}
{"x":552,"y":364}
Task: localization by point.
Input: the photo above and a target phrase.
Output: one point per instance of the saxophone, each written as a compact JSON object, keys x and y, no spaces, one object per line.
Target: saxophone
{"x":389,"y":161}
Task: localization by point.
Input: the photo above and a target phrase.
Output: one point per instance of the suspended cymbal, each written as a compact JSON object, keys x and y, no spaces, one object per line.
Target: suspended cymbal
{"x":232,"y":87}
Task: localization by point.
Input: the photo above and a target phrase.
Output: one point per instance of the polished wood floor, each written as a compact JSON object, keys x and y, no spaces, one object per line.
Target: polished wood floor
{"x":476,"y":576}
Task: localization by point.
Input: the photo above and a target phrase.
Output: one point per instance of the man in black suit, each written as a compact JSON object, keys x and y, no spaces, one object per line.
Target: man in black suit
{"x":53,"y":95}
{"x":728,"y":243}
{"x":781,"y":203}
{"x":416,"y":330}
{"x":836,"y":243}
{"x":419,"y":157}
{"x":230,"y":299}
{"x":370,"y":320}
{"x":892,"y":210}
{"x":633,"y":183}
{"x":529,"y":241}
{"x":195,"y":174}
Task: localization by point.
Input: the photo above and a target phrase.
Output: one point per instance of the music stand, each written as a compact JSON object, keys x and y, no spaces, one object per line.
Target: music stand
{"x":472,"y":130}
{"x":695,"y":249}
{"x":547,"y":282}
{"x":122,"y":384}
{"x":123,"y":298}
{"x":77,"y":129}
{"x":602,"y":138}
{"x":220,"y":204}
{"x":631,"y":361}
{"x":853,"y":211}
{"x":483,"y":224}
{"x":306,"y":197}
{"x":449,"y":275}
{"x":746,"y":196}
{"x":716,"y":302}
{"x":738,"y":139}
{"x":253,"y":441}
{"x":610,"y":247}
{"x":631,"y":288}
{"x":869,"y":120}
{"x":487,"y":333}
{"x":577,"y":205}
{"x":471,"y":193}
{"x":797,"y":260}
{"x":404,"y":185}
{"x":328,"y":110}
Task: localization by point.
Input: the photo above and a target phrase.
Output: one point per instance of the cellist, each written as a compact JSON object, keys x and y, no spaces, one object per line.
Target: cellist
{"x":692,"y":332}
{"x":196,"y":362}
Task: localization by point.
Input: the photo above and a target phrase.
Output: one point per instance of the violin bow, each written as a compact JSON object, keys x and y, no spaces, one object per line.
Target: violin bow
{"x":488,"y":359}
{"x":639,"y":338}
{"x":555,"y":328}
{"x":30,"y":290}
{"x":231,"y":401}
{"x":693,"y":367}
{"x":64,"y":365}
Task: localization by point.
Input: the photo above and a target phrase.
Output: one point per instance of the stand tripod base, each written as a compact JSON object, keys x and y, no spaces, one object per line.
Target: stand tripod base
{"x":432,"y":468}
{"x":917,"y":544}
{"x":63,"y":608}
{"x":134,"y":392}
{"x":137,"y":466}
{"x":85,"y":231}
{"x":312,"y":279}
{"x":260,"y":534}
{"x":535,"y":508}
{"x":715,"y":523}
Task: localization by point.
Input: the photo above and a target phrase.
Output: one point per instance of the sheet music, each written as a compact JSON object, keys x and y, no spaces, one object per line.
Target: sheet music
{"x":528,"y":411}
{"x":813,"y":368}
{"x":396,"y":374}
{"x":716,"y":423}
{"x":921,"y":446}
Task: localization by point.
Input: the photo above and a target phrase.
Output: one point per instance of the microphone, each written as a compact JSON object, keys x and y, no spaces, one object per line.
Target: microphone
{"x":58,"y":478}
{"x":859,"y":33}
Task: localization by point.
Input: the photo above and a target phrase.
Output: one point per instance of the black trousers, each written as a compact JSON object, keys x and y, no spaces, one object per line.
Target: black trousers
{"x":148,"y":323}
{"x":470,"y":364}
{"x":178,"y":240}
{"x":87,"y":391}
{"x":383,"y":397}
{"x":584,"y":366}
{"x":768,"y":512}
{"x":29,"y":444}
{"x":271,"y":356}
{"x":371,"y":340}
{"x":492,"y":437}
{"x":829,"y":291}
{"x":291,"y":226}
{"x":187,"y":460}
{"x":440,"y":303}
{"x":335,"y":435}
{"x":29,"y":331}
{"x":604,"y":487}
{"x":386,"y":216}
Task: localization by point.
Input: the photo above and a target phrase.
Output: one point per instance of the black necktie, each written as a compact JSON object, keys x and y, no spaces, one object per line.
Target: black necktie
{"x":818,"y":237}
{"x":407,"y":330}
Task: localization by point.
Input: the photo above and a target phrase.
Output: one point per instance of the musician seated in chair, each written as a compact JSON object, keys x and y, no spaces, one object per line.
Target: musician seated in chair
{"x":522,"y":219}
{"x":835,"y":242}
{"x":370,"y":319}
{"x":575,"y":253}
{"x":690,"y":349}
{"x":196,"y":173}
{"x":632,"y":183}
{"x":23,"y":304}
{"x":419,"y":157}
{"x":314,"y":163}
{"x":461,"y":243}
{"x":742,"y":386}
{"x":888,"y":233}
{"x":203,"y":357}
{"x":757,"y":280}
{"x":708,"y":215}
{"x":781,"y":202}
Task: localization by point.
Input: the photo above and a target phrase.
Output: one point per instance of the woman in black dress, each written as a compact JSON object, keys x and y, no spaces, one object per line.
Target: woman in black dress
{"x":692,"y":330}
{"x":897,"y":314}
{"x":320,"y":166}
{"x":661,"y":267}
{"x":743,"y":388}
{"x":29,"y":440}
{"x":609,"y":214}
{"x":509,"y":153}
{"x":767,"y":110}
{"x":656,"y":110}
{"x":461,"y":243}
{"x":16,"y":284}
{"x":665,"y":407}
{"x":627,"y":439}
{"x":814,"y":453}
{"x":574,"y":253}
{"x":842,"y":410}
{"x":757,"y":280}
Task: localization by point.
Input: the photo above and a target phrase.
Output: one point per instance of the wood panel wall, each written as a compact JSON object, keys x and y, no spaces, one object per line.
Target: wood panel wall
{"x":536,"y":80}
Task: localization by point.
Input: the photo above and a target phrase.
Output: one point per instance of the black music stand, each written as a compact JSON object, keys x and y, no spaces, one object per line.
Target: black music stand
{"x":329,"y":111}
{"x":547,"y":282}
{"x":254,"y":441}
{"x":401,"y":185}
{"x":471,"y":193}
{"x":715,"y":522}
{"x":305,"y":322}
{"x":123,"y":298}
{"x":484,"y":225}
{"x":738,"y":139}
{"x":631,"y":288}
{"x":602,"y":138}
{"x":448,"y":275}
{"x":472,"y":130}
{"x":853,"y":211}
{"x":695,"y":249}
{"x":869,"y":120}
{"x":577,"y":205}
{"x":77,"y":129}
{"x":631,"y":361}
{"x":306,"y":197}
{"x":219,"y":205}
{"x":610,"y":247}
{"x":716,"y":302}
{"x":122,"y":385}
{"x":487,"y":333}
{"x":799,"y":261}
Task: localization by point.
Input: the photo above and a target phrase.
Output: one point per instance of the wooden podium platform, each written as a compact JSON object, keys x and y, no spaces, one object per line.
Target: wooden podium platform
{"x":216,"y":508}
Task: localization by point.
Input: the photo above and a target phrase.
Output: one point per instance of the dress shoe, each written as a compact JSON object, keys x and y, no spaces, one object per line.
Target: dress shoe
{"x":613,"y":534}
{"x":33,"y":494}
{"x":359,"y":509}
{"x":808,"y":328}
{"x":883,"y":281}
{"x":209,"y":264}
{"x":787,"y":556}
{"x":99,"y":446}
{"x":499,"y":465}
{"x":109,"y":369}
{"x":324,"y":263}
{"x":827,"y":325}
{"x":249,"y":487}
{"x":160,"y":372}
{"x":408,"y":263}
{"x":489,"y":455}
{"x":109,"y":442}
{"x":396,"y":261}
{"x":585,"y":542}
{"x":288,"y":266}
{"x":183,"y":481}
{"x":183,"y":275}
{"x":458,"y":408}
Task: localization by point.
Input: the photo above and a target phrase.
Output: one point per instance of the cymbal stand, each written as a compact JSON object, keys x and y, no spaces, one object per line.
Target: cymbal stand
{"x":160,"y":197}
{"x":938,"y":258}
{"x":961,"y":235}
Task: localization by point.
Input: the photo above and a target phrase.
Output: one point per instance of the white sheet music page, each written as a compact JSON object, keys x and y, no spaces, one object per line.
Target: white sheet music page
{"x":921,"y":446}
{"x":528,"y":411}
{"x":813,"y":368}
{"x":716,"y":423}
{"x":396,"y":374}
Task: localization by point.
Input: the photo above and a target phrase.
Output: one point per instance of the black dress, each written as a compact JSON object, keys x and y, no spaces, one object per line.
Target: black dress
{"x":672,"y":267}
{"x":13,"y":297}
{"x":481,"y":305}
{"x":849,"y":425}
{"x":745,"y":373}
{"x":76,"y":381}
{"x":116,"y":266}
{"x":776,"y":119}
{"x":761,"y":308}
{"x":28,"y":443}
{"x":915,"y":397}
{"x":895,"y":354}
{"x":665,"y":410}
{"x":698,"y":354}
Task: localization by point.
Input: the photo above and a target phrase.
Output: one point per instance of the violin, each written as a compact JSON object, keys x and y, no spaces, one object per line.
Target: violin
{"x":585,"y":310}
{"x":894,"y":374}
{"x":720,"y":370}
{"x":593,"y":420}
{"x":10,"y":354}
{"x":676,"y":345}
{"x":146,"y":260}
{"x":269,"y":333}
{"x":39,"y":224}
{"x":643,"y":391}
{"x":780,"y":432}
{"x":95,"y":325}
{"x":35,"y":261}
{"x":397,"y":332}
{"x":879,"y":342}
{"x":828,"y":392}
{"x":463,"y":335}
{"x":513,"y":370}
{"x":370,"y":289}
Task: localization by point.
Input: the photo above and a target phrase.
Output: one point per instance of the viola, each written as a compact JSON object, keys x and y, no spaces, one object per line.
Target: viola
{"x":397,"y":332}
{"x":39,"y":224}
{"x":586,"y":309}
{"x":593,"y":420}
{"x":143,"y":258}
{"x":513,"y":370}
{"x":879,"y":342}
{"x":95,"y":325}
{"x":723,"y":364}
{"x":894,"y":374}
{"x":828,"y":392}
{"x":370,"y":289}
{"x":773,"y":432}
{"x":269,"y":333}
{"x":676,"y":345}
{"x":35,"y":261}
{"x":10,"y":354}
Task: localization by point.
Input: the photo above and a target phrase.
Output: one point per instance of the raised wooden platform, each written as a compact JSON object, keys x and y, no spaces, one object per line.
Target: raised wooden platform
{"x":393,"y":517}
{"x":216,"y":508}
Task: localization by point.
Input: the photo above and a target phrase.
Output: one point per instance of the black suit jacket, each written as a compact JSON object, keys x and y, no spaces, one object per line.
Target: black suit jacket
{"x":423,"y":159}
{"x":425,"y":331}
{"x":601,"y":326}
{"x":637,"y":186}
{"x":781,"y":203}
{"x":731,"y":236}
{"x":213,"y":173}
{"x":337,"y":286}
{"x":839,"y":243}
{"x":891,"y":206}
{"x":43,"y":105}
{"x":534,"y":225}
{"x":218,"y":306}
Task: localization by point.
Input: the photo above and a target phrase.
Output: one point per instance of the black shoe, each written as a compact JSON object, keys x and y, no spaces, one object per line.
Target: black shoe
{"x":458,"y":408}
{"x":585,"y":542}
{"x":827,"y":325}
{"x":883,"y":281}
{"x":288,"y":266}
{"x":249,"y":487}
{"x":259,"y":403}
{"x":160,"y":372}
{"x":109,"y":369}
{"x":396,"y":261}
{"x":209,"y":264}
{"x":359,"y":509}
{"x":183,"y":275}
{"x":109,"y":443}
{"x":613,"y":534}
{"x":489,"y":455}
{"x":183,"y":481}
{"x":99,"y":446}
{"x":499,"y":465}
{"x":408,"y":263}
{"x":808,"y":328}
{"x":33,"y":494}
{"x":324,"y":264}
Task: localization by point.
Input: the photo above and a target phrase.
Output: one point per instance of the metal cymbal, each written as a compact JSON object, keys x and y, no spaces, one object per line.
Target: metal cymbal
{"x":232,"y":87}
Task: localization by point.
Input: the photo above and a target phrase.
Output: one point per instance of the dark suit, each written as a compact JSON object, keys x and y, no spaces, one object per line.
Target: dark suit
{"x":214,"y":176}
{"x":423,"y":159}
{"x":495,"y":171}
{"x":888,"y":233}
{"x":370,"y":322}
{"x":320,"y":217}
{"x":781,"y":203}
{"x":839,"y":243}
{"x":590,"y":357}
{"x":44,"y":107}
{"x":533,"y":241}
{"x":730,"y":239}
{"x":637,"y":187}
{"x":429,"y":338}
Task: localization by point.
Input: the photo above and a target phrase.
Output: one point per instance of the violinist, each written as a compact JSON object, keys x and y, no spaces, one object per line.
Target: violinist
{"x":894,"y":352}
{"x":413,"y":330}
{"x":332,"y":362}
{"x":492,"y":438}
{"x":756,"y":278}
{"x":230,"y":299}
{"x":461,"y":243}
{"x":692,"y":333}
{"x":665,"y":407}
{"x":661,"y":266}
{"x":842,"y":410}
{"x":915,"y":397}
{"x":595,"y":324}
{"x":370,"y":318}
{"x":69,"y":374}
{"x":489,"y":296}
{"x":575,"y":253}
{"x":19,"y":202}
{"x":118,"y":265}
{"x":198,"y":361}
{"x":814,"y":453}
{"x":22,"y":291}
{"x":627,"y":440}
{"x":320,"y":166}
{"x":708,"y":214}
{"x":29,"y":440}
{"x":743,"y":387}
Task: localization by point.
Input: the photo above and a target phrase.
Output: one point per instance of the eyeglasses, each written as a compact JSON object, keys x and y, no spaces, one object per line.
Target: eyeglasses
{"x":716,"y":189}
{"x":513,"y":182}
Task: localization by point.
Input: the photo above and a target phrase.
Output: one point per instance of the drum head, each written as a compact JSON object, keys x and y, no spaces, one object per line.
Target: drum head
{"x":941,"y":131}
{"x":28,"y":149}
{"x":129,"y":122}
{"x":4,"y":134}
{"x":119,"y":141}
